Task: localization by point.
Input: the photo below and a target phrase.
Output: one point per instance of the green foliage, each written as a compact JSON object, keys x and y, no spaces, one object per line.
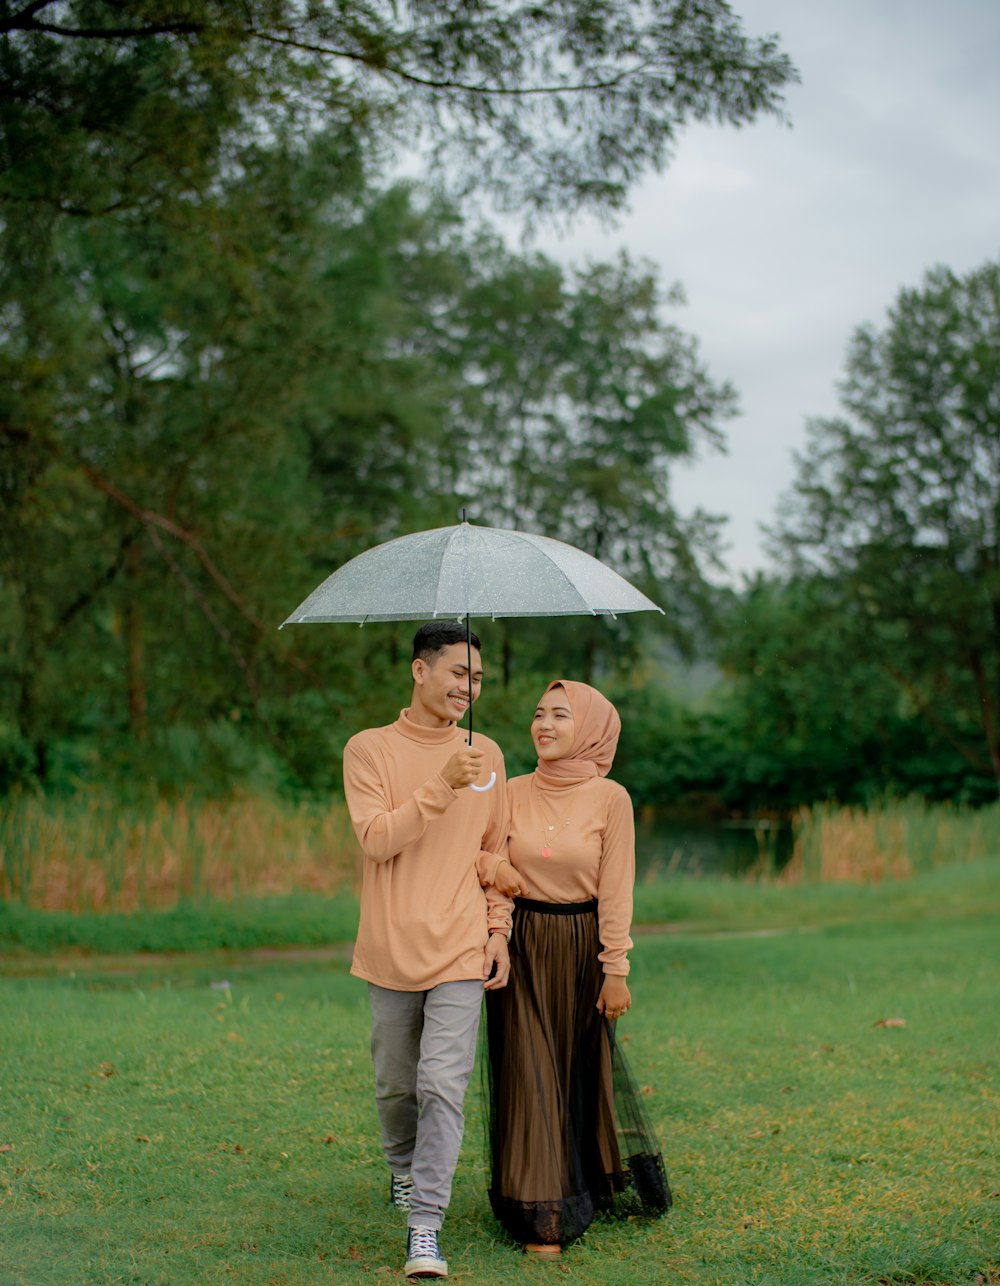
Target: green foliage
{"x":898,"y":505}
{"x":547,"y":108}
{"x":173,"y":508}
{"x":813,"y":713}
{"x":583,"y":400}
{"x":228,"y":361}
{"x":671,"y":753}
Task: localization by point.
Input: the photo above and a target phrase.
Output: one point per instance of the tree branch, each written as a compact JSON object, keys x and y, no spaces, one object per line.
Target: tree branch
{"x":153,"y":521}
{"x":87,"y":596}
{"x":491,"y":90}
{"x":208,"y":612}
{"x":986,"y":710}
{"x":936,"y":722}
{"x":24,"y":21}
{"x":102,"y":33}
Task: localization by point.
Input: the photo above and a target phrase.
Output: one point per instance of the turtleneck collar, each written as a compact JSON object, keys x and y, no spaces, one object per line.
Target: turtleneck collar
{"x":426,"y":736}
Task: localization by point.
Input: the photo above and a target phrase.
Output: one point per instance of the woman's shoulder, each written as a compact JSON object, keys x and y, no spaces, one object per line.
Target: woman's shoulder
{"x":602,"y":788}
{"x":613,"y":791}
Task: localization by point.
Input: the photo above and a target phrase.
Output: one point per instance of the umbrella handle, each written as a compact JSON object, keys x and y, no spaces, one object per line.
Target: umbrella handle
{"x":489,"y":785}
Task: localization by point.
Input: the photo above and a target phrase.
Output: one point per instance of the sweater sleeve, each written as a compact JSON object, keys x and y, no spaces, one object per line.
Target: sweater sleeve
{"x":615,"y":880}
{"x":486,"y":867}
{"x":499,"y":907}
{"x":384,"y":831}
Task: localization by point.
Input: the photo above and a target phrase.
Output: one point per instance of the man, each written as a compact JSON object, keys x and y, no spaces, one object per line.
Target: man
{"x":431,"y":936}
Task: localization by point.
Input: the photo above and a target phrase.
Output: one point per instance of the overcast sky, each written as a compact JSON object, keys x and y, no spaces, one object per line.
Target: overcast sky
{"x":785,"y":240}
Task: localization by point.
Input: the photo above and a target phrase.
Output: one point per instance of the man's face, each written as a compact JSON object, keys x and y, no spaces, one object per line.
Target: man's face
{"x":441,"y":685}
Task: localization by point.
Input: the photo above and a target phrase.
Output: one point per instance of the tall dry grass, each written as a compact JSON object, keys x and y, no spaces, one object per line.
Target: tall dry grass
{"x":93,"y":854}
{"x":96,"y":855}
{"x":887,"y":841}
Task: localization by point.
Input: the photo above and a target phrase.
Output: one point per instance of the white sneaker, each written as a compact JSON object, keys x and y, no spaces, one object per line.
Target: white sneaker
{"x":400,"y":1190}
{"x":423,"y":1255}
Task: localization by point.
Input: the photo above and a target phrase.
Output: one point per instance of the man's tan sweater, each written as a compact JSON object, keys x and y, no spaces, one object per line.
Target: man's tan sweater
{"x":428,"y":851}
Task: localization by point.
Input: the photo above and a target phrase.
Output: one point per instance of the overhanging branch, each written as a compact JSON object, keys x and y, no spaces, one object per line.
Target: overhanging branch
{"x":927,"y":710}
{"x":154,"y":522}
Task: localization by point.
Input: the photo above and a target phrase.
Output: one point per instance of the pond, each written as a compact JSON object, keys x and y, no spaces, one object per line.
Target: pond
{"x":666,"y":846}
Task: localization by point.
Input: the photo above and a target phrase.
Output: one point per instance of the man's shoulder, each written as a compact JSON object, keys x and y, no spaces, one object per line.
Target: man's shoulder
{"x":369,"y":737}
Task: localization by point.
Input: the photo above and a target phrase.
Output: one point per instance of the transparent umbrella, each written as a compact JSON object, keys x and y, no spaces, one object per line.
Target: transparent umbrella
{"x":466,"y":571}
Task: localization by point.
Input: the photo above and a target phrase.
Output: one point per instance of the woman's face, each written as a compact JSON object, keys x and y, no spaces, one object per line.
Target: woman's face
{"x":552,"y":729}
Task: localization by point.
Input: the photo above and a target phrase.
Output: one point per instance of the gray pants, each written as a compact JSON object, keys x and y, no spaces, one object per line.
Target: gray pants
{"x":423,"y":1049}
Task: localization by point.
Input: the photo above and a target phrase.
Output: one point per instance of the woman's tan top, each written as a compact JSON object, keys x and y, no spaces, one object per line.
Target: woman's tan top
{"x":592,"y":844}
{"x":428,"y":851}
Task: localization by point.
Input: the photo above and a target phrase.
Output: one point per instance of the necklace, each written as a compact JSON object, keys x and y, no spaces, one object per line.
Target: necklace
{"x":549,"y":837}
{"x":550,"y":833}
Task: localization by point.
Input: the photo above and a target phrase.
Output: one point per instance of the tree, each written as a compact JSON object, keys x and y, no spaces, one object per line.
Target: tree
{"x":215,"y":338}
{"x":900,"y":503}
{"x":812,"y":714}
{"x":218,"y":413}
{"x":583,"y":400}
{"x":109,"y":105}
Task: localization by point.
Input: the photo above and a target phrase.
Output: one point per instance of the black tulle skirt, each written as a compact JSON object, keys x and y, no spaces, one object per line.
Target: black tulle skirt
{"x":568,"y":1134}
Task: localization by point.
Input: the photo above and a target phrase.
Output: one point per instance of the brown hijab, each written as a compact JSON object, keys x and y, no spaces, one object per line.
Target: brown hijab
{"x":597,"y":726}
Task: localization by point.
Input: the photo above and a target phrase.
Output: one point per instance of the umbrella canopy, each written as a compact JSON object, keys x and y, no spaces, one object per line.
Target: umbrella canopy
{"x":468,"y":571}
{"x":465,"y":570}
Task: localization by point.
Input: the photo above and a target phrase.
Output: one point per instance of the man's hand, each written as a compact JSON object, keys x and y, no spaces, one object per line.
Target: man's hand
{"x":614,"y":999}
{"x":463,"y":767}
{"x":496,"y":953}
{"x":507,"y":881}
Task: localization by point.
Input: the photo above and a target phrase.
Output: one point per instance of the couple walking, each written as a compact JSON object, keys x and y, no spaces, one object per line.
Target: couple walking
{"x":451,"y":875}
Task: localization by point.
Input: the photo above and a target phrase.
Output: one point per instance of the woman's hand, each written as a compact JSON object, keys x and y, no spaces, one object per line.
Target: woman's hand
{"x":507,"y":881}
{"x":614,"y":999}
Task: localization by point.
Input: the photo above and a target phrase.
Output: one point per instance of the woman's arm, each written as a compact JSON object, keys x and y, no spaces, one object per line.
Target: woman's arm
{"x":615,"y":880}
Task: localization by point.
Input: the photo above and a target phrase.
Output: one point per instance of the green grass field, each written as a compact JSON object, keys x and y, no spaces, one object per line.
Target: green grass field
{"x":158,"y":1127}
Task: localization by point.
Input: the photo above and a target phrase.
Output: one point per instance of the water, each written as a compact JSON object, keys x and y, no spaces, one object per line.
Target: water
{"x":666,"y":846}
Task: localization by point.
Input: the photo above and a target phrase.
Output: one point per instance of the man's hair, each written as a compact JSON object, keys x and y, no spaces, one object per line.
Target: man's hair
{"x":435,"y":636}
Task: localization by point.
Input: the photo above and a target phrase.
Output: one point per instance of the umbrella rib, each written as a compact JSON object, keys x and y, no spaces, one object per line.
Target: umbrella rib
{"x":565,"y":575}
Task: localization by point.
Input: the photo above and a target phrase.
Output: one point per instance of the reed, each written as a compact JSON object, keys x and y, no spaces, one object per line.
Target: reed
{"x":95,"y":854}
{"x":891,"y":840}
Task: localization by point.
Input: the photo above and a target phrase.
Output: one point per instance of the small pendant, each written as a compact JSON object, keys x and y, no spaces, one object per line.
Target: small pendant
{"x":546,"y":852}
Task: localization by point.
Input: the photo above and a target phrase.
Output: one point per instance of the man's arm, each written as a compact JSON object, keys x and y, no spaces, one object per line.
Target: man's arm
{"x":384,"y":831}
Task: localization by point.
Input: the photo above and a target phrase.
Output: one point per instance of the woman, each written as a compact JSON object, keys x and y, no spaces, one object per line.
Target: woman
{"x":568,"y":1135}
